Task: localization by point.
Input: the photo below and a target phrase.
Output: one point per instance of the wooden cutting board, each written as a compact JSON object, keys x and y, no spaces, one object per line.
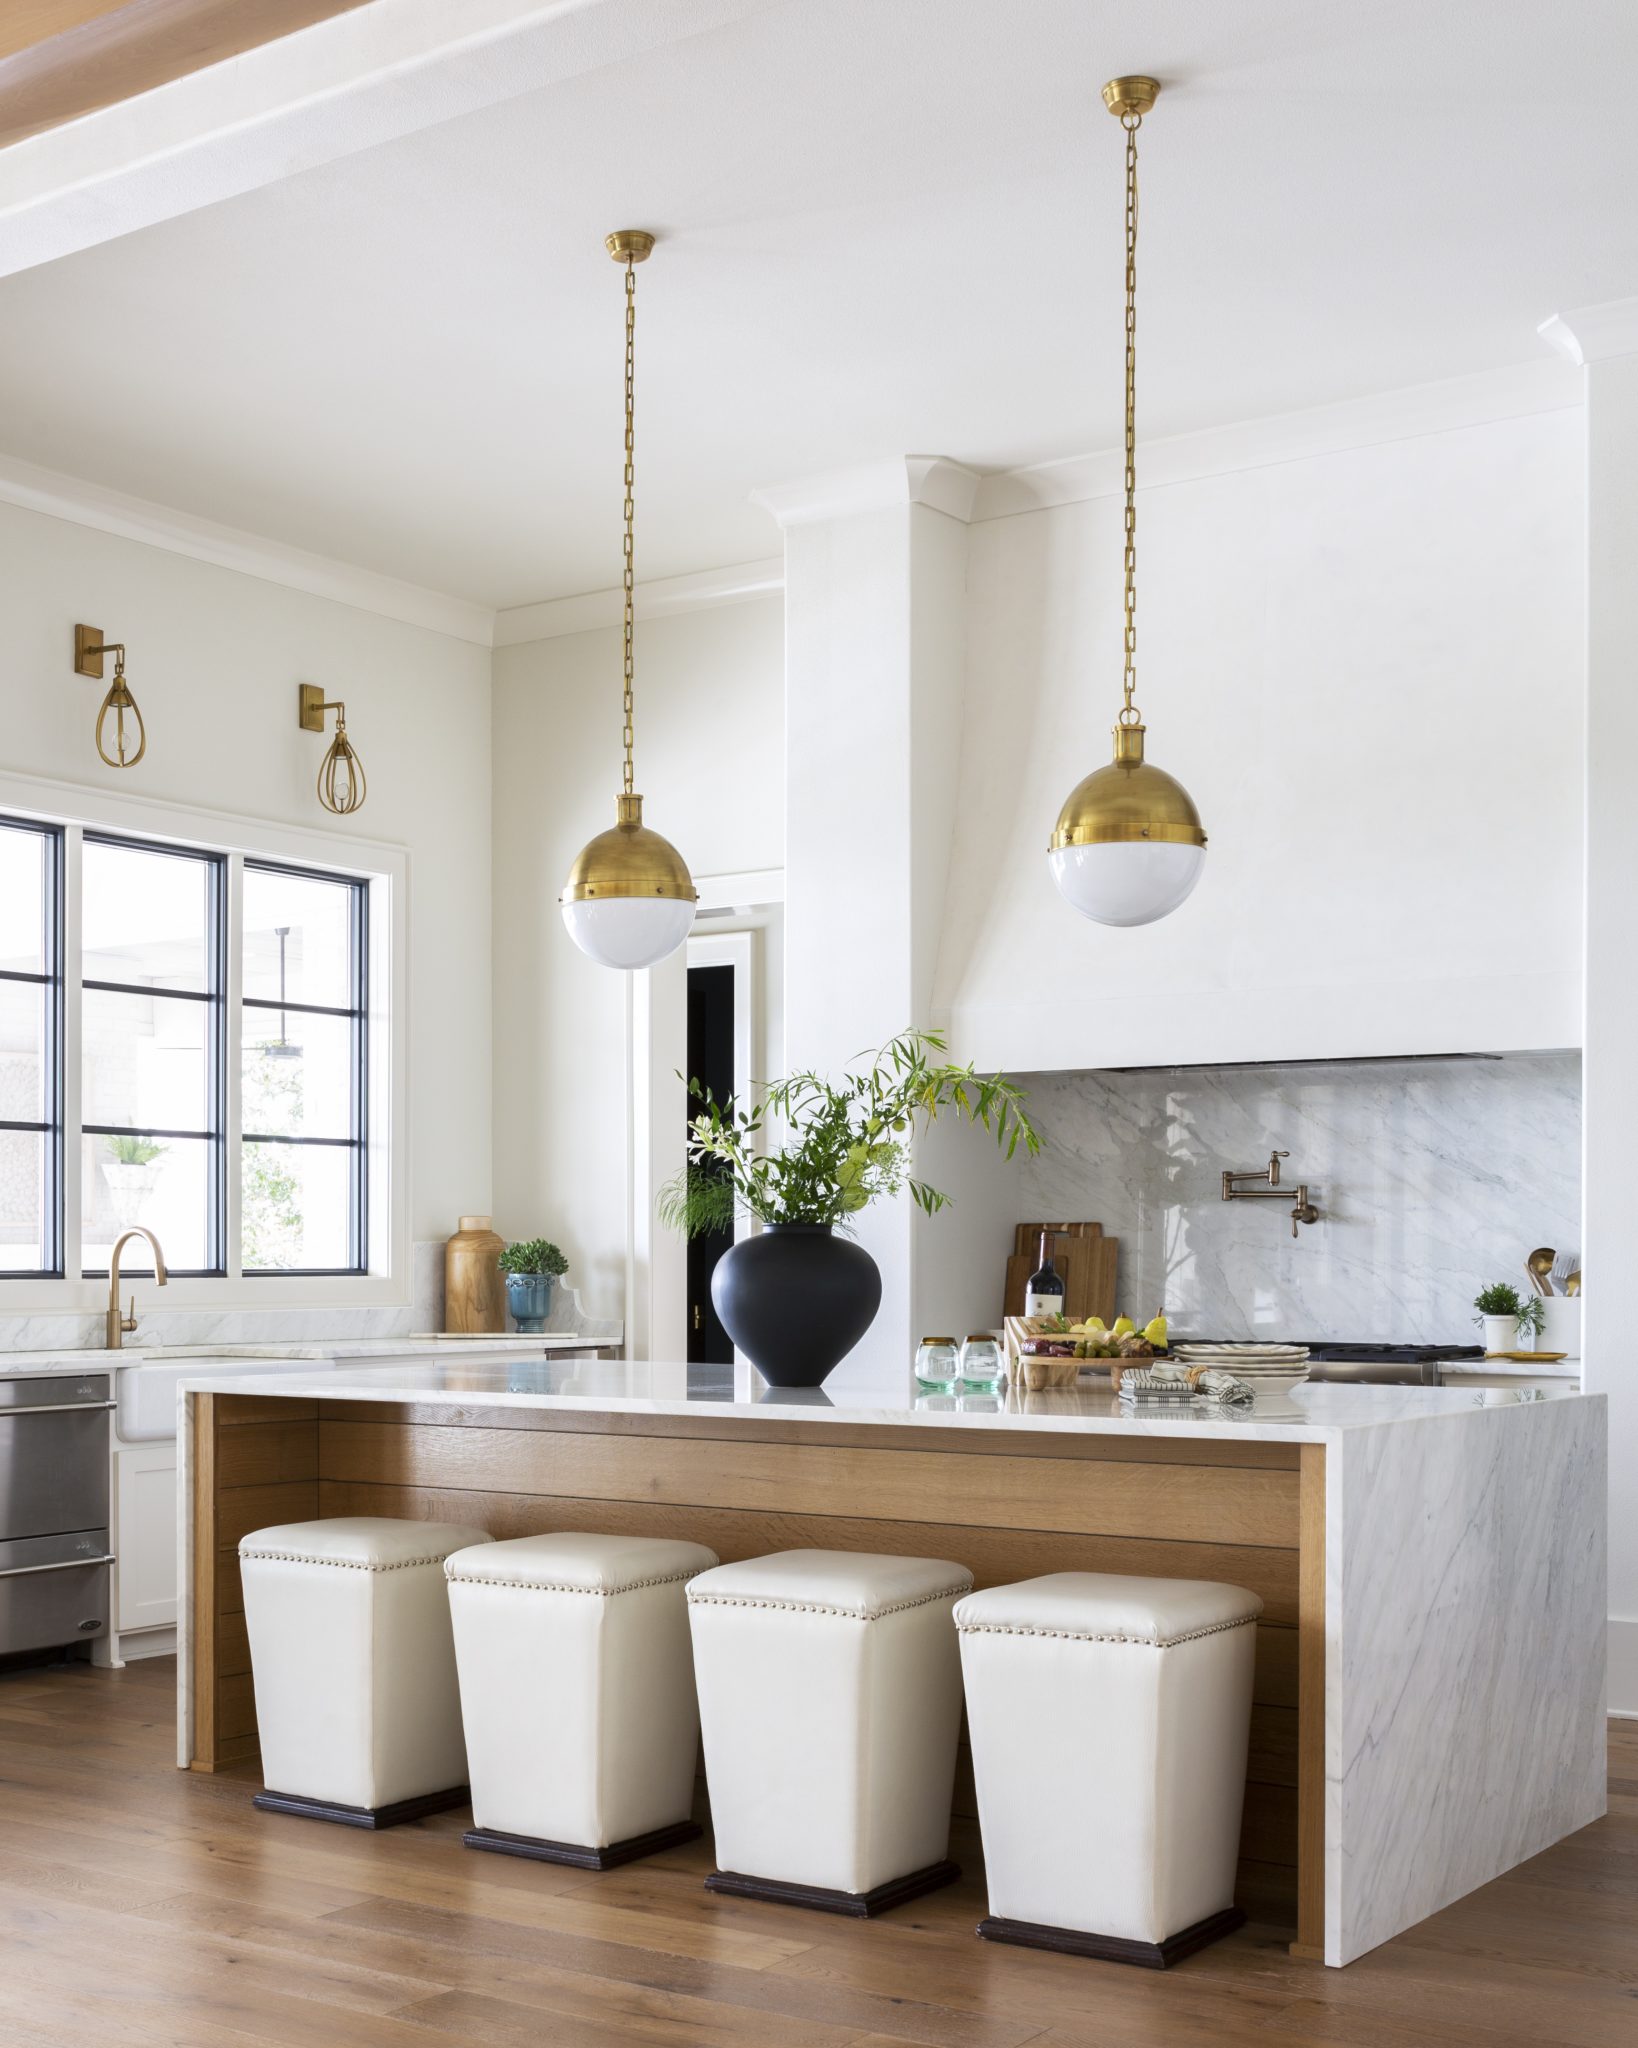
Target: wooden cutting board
{"x":1026,"y":1237}
{"x":1089,"y":1266}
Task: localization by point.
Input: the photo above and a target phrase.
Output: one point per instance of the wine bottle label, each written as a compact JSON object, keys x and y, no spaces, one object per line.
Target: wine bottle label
{"x":1042,"y":1304}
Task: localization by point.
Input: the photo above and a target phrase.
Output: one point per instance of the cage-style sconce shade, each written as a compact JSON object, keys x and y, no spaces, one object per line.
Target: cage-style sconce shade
{"x":341,"y":784}
{"x":129,"y":747}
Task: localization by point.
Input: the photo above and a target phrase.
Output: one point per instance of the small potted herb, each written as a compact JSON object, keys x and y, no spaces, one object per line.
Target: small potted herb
{"x":1506,"y":1317}
{"x":530,"y":1269}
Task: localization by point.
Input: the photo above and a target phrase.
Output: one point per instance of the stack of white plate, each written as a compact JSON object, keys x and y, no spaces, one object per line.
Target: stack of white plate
{"x":1249,"y":1361}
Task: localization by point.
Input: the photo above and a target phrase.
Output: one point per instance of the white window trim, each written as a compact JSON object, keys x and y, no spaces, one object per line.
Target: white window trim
{"x":385,"y":867}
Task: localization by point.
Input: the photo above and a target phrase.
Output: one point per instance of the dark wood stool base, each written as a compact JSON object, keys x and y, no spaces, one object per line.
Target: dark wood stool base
{"x":1112,"y":1948}
{"x":363,"y":1816}
{"x":897,"y":1891}
{"x":610,"y":1858}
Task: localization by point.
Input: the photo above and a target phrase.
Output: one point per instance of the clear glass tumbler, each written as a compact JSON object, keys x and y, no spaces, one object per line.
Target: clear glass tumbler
{"x":938,"y":1365}
{"x":982,"y":1371}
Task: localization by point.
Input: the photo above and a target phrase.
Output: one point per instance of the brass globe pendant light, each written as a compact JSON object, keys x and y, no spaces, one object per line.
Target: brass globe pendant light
{"x":1128,"y":846}
{"x":629,"y":900}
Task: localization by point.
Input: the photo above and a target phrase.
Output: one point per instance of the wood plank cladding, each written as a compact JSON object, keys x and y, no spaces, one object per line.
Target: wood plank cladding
{"x":1193,"y":1503}
{"x":1008,"y":1507}
{"x":60,"y":59}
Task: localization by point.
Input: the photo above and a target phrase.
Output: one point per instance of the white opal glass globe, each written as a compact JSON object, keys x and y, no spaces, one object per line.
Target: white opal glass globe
{"x":629,"y":931}
{"x":1125,"y":881}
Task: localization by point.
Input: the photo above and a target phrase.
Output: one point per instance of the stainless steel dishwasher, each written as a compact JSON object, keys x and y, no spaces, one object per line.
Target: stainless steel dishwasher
{"x":54,"y":1474}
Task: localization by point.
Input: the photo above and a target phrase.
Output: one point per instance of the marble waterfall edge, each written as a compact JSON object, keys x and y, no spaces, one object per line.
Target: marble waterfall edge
{"x":1465,"y":1656}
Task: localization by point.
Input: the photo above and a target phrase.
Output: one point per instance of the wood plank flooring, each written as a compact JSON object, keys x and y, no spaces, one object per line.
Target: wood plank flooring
{"x":143,"y":1907}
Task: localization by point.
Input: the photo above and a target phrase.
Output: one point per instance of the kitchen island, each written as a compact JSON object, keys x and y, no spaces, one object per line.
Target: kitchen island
{"x":1429,"y":1701}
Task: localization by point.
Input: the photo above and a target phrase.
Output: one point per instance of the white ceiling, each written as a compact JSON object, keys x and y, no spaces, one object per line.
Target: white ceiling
{"x":887,"y":226}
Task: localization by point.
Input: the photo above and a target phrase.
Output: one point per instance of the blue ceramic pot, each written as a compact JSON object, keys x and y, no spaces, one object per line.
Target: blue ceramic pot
{"x":529,"y":1297}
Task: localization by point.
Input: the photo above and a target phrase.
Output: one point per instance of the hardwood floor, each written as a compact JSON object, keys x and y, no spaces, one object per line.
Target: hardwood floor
{"x":142,"y":1906}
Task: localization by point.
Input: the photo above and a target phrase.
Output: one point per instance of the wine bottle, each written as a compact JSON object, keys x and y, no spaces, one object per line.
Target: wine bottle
{"x":1044,"y":1290}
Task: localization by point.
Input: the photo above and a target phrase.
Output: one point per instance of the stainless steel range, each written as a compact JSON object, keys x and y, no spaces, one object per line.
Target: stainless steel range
{"x":54,"y":1475}
{"x":1396,"y":1365}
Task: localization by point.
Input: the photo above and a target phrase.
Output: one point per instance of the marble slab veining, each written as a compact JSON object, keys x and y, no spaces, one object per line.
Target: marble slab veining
{"x":1465,"y":1658}
{"x":1432,"y":1177}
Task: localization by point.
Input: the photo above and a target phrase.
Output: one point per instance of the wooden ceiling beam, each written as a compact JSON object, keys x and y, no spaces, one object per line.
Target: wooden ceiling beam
{"x":60,"y":59}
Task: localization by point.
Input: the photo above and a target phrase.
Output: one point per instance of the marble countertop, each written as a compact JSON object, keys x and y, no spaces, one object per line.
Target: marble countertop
{"x":43,"y":1364}
{"x":1512,"y":1368}
{"x":1295,"y":1414}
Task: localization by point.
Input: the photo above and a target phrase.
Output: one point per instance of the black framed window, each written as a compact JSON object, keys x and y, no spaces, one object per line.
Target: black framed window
{"x":31,"y":1050}
{"x":303,"y":1072}
{"x":153,"y":1064}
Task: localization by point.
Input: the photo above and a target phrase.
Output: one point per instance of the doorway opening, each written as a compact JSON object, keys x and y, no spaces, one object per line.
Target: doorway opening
{"x":711,"y":1042}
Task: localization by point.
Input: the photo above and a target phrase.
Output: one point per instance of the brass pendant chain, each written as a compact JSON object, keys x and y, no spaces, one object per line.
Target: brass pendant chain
{"x":627,"y":583}
{"x":1130,"y":715}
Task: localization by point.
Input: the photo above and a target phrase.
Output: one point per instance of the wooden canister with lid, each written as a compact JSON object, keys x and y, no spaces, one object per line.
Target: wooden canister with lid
{"x":474,"y":1292}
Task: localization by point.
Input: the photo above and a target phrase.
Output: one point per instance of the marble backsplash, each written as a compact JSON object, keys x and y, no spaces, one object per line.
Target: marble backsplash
{"x":47,"y":1330}
{"x":1432,"y":1176}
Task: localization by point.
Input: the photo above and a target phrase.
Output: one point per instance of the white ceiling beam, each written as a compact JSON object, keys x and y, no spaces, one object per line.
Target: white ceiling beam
{"x":343,"y":85}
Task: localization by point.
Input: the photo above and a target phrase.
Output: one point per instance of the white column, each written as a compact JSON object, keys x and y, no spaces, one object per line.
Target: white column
{"x":1604,"y":339}
{"x":875,"y":575}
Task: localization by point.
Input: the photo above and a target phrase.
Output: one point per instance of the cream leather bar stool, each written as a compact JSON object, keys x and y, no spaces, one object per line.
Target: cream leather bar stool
{"x":830,"y":1704}
{"x":577,"y":1690}
{"x":1109,"y":1719}
{"x":354,"y":1668}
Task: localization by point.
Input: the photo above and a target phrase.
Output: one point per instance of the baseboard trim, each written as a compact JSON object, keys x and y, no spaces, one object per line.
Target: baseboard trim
{"x":374,"y":1817}
{"x":1111,"y":1948}
{"x":581,"y":1858}
{"x":898,"y":1891}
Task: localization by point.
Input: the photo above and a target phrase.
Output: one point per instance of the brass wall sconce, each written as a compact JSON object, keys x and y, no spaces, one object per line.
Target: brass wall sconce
{"x":1302,"y":1210}
{"x":341,"y":774}
{"x":89,"y":649}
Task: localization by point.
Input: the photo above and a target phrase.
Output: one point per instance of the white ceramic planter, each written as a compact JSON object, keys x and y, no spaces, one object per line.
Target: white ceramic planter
{"x":1561,"y":1330}
{"x":1501,"y":1333}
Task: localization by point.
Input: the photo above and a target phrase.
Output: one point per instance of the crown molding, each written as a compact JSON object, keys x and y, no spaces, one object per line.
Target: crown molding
{"x":1478,"y":400}
{"x":1592,"y":334}
{"x":665,"y":597}
{"x":229,"y":547}
{"x":932,"y":480}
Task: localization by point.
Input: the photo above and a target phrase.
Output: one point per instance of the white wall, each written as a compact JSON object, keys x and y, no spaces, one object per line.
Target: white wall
{"x":1366,"y":667}
{"x":1612,"y":952}
{"x":214,"y":660}
{"x":710,"y":763}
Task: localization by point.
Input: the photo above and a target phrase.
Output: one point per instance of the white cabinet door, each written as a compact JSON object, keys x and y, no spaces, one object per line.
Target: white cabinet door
{"x":145,"y":1535}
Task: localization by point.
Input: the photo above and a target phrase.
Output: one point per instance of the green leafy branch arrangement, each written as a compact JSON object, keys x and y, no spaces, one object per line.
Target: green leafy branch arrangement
{"x":849,"y":1141}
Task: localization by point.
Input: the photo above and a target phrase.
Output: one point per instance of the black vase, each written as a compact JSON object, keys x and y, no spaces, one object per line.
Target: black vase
{"x":796,"y":1300}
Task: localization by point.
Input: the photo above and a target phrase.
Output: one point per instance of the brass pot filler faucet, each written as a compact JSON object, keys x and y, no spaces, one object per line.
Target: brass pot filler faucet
{"x":1302,"y":1210}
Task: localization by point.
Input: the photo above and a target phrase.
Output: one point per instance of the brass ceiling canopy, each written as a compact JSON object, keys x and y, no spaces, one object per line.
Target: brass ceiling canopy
{"x":1128,"y":846}
{"x":629,"y":900}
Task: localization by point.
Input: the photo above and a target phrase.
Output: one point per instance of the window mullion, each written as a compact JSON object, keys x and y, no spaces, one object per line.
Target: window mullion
{"x":73,"y":1064}
{"x":233,"y":1040}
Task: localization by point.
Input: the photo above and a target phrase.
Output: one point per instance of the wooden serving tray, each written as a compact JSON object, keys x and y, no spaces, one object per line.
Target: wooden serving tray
{"x":1529,"y":1357}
